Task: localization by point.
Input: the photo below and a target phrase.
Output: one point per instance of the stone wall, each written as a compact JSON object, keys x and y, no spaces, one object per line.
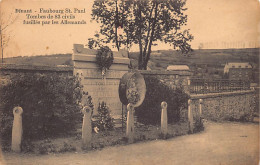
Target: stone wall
{"x":8,"y":71}
{"x":238,"y":105}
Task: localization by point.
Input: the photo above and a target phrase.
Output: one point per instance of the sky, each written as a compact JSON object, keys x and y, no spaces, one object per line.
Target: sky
{"x":215,"y":24}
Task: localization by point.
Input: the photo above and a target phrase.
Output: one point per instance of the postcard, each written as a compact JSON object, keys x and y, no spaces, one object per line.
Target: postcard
{"x":129,"y":81}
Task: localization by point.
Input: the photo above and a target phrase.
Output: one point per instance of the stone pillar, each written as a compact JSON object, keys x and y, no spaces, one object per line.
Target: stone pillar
{"x":86,"y":127}
{"x":164,"y":119}
{"x":188,"y":90}
{"x":200,"y":109}
{"x":17,"y":130}
{"x":190,"y":116}
{"x":130,"y":123}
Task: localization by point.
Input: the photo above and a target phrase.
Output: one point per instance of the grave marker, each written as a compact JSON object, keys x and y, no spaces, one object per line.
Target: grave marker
{"x":17,"y":130}
{"x":100,"y":89}
{"x":200,"y":109}
{"x":132,"y":91}
{"x":86,"y":127}
{"x":130,"y":123}
{"x":164,"y":119}
{"x":190,"y":116}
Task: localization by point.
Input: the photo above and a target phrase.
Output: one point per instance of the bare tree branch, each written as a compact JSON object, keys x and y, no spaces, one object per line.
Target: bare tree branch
{"x":3,"y":34}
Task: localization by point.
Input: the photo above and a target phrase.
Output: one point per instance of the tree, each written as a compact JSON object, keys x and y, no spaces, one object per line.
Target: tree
{"x":4,"y":35}
{"x":144,"y":22}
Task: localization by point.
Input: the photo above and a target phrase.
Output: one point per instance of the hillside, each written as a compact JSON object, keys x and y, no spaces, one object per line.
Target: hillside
{"x":203,"y":63}
{"x":46,"y":60}
{"x":201,"y":57}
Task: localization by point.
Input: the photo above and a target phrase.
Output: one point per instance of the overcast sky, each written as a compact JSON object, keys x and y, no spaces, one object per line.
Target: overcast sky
{"x":215,"y":24}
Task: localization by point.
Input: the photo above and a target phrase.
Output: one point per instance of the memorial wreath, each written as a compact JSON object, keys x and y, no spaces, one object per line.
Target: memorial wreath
{"x":104,"y":59}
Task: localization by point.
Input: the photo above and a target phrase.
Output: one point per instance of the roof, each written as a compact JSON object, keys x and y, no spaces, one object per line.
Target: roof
{"x":178,"y":67}
{"x":156,"y":54}
{"x":236,"y":65}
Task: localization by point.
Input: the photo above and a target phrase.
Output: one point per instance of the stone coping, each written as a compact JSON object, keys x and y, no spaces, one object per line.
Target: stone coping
{"x":35,"y":68}
{"x":213,"y":95}
{"x":165,"y":72}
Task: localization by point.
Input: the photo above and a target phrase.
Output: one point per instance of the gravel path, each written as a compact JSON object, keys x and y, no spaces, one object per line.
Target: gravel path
{"x":220,"y":143}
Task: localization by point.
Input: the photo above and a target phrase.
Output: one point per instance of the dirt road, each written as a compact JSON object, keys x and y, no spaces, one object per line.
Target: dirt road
{"x":219,"y":144}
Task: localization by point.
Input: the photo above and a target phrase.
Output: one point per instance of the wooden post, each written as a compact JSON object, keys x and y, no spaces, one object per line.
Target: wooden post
{"x":86,"y":127}
{"x":190,"y":116}
{"x":130,"y":123}
{"x":164,"y":119}
{"x":17,"y":130}
{"x":200,"y":109}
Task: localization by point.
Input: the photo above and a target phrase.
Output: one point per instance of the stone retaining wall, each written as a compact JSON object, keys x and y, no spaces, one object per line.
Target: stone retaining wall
{"x":238,"y":105}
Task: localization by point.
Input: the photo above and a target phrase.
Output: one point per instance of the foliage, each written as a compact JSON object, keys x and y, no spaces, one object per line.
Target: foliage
{"x":132,"y":94}
{"x":81,"y":97}
{"x":104,"y":58}
{"x":47,"y":146}
{"x":50,"y":104}
{"x":105,"y":121}
{"x":150,"y":110}
{"x":87,"y":101}
{"x":142,"y":22}
{"x":198,"y":126}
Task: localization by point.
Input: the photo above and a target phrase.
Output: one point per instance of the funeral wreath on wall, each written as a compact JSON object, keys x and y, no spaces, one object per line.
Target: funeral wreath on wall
{"x":104,"y":59}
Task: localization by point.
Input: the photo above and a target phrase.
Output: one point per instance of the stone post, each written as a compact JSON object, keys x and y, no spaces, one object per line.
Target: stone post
{"x":190,"y":116}
{"x":130,"y":123}
{"x":86,"y":127}
{"x":164,"y":119}
{"x":188,"y":91}
{"x":200,"y":109}
{"x":124,"y":111}
{"x":17,"y":130}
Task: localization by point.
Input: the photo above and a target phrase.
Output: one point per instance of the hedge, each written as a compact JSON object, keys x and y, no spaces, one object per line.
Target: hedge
{"x":150,"y":110}
{"x":49,"y":102}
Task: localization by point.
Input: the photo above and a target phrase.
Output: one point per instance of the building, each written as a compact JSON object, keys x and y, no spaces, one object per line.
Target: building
{"x":238,"y":71}
{"x":178,"y":67}
{"x":156,"y":53}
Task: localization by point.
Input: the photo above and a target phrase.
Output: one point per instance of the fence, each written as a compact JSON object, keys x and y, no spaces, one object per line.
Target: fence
{"x":202,"y":86}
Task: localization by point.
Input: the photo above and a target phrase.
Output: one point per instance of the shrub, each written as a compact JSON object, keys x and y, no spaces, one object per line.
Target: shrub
{"x":50,"y":104}
{"x":105,"y":121}
{"x":150,"y":110}
{"x":198,"y":126}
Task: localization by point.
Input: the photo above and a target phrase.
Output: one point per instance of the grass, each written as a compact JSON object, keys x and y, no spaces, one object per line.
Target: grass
{"x":103,"y":139}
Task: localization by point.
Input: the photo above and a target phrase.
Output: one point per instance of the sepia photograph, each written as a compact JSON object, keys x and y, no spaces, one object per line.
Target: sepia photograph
{"x":129,"y":82}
